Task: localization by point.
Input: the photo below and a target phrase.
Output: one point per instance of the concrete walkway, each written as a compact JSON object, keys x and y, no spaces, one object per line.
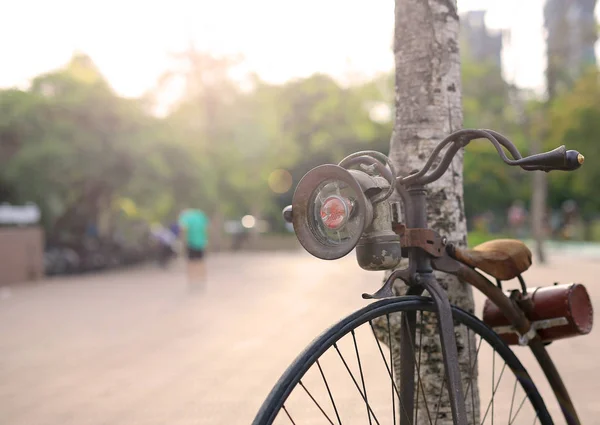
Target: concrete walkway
{"x":134,"y":347}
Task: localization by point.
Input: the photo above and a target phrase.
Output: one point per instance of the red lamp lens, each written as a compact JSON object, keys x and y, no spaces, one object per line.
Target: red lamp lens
{"x":334,"y":212}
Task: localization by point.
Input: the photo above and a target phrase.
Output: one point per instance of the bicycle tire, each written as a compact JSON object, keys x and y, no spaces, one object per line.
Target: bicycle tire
{"x":294,"y":373}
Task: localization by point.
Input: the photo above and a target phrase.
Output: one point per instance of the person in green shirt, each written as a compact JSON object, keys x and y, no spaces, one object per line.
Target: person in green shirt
{"x":194,"y":233}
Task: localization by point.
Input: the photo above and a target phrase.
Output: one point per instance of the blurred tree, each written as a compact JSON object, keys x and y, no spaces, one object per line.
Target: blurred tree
{"x":236,"y":138}
{"x":575,"y":121}
{"x":247,"y":134}
{"x":326,"y":121}
{"x":83,"y":153}
{"x":571,"y":30}
{"x":15,"y":127}
{"x":490,"y":102}
{"x":75,"y":146}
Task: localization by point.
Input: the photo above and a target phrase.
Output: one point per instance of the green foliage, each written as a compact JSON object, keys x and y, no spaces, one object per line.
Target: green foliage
{"x":76,"y":146}
{"x":572,"y":119}
{"x":489,"y":102}
{"x":477,"y":237}
{"x":575,"y":122}
{"x":88,"y":156}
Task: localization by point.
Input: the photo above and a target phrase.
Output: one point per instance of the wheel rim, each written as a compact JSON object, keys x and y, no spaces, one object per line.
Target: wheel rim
{"x":315,"y":382}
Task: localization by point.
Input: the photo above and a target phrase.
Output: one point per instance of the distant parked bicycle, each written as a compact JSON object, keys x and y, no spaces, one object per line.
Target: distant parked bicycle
{"x":337,"y":208}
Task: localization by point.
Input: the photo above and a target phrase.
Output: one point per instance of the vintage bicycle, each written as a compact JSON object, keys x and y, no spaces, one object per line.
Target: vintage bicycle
{"x":338,"y":208}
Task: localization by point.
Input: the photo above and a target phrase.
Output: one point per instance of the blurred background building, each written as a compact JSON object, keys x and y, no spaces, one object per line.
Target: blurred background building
{"x":483,"y":43}
{"x":571,"y":35}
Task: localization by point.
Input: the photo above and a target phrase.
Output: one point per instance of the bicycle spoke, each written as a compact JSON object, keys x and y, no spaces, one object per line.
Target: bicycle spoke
{"x":494,"y":388}
{"x":355,"y":383}
{"x":329,"y":392}
{"x":518,"y":410}
{"x":315,"y":401}
{"x":512,"y":401}
{"x":288,"y":415}
{"x":312,"y":399}
{"x":473,"y":368}
{"x":419,"y":366}
{"x":362,"y":378}
{"x":493,"y":391}
{"x":439,"y":402}
{"x":419,"y":382}
{"x":390,"y":373}
{"x":471,"y":375}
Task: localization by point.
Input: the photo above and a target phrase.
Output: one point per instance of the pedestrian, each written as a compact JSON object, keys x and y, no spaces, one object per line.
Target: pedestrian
{"x":517,"y":216}
{"x":165,"y":240}
{"x":174,"y":228}
{"x":193,"y":225}
{"x":568,"y":219}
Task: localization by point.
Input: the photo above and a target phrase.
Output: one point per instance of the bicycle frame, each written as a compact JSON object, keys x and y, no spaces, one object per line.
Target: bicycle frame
{"x":426,"y":250}
{"x":419,"y":277}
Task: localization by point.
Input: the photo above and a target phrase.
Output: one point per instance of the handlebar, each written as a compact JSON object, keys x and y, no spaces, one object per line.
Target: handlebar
{"x":337,"y":208}
{"x":557,"y":159}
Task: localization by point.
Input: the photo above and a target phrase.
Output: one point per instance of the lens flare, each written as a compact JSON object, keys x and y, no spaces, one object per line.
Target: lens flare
{"x":248,"y":221}
{"x":280,"y":181}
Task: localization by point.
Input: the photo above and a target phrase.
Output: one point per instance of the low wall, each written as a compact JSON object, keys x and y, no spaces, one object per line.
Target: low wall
{"x":21,"y":254}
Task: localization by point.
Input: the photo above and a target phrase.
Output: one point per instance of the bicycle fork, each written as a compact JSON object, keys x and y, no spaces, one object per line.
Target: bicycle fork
{"x":450,"y":354}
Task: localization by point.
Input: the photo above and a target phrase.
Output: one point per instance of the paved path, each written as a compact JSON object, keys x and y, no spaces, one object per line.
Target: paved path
{"x":134,"y":347}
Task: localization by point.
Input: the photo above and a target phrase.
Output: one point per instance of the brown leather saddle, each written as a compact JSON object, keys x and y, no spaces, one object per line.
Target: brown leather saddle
{"x":503,"y":259}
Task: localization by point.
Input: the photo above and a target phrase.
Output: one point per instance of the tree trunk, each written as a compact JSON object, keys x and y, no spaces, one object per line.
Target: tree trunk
{"x":538,"y":211}
{"x":539,"y":191}
{"x":428,"y":108}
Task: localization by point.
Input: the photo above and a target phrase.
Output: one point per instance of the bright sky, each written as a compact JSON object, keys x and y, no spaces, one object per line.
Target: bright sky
{"x":130,"y":40}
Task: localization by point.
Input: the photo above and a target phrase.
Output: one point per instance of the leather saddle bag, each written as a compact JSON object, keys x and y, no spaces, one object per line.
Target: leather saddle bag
{"x":556,"y":312}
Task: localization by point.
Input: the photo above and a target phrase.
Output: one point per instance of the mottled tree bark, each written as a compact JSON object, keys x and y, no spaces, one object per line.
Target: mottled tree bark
{"x":428,"y":108}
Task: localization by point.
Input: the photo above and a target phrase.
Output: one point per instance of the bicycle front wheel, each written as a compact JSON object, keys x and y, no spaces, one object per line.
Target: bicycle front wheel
{"x":349,"y":374}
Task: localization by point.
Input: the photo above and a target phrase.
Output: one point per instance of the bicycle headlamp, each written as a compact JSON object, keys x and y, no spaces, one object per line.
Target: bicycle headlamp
{"x":332,"y":214}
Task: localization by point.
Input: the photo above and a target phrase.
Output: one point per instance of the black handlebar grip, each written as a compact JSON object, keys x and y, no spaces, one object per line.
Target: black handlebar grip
{"x":287,"y":214}
{"x":574,"y":160}
{"x":555,"y":159}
